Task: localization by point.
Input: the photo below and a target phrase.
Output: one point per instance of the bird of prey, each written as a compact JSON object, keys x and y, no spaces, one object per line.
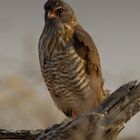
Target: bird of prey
{"x":69,"y":61}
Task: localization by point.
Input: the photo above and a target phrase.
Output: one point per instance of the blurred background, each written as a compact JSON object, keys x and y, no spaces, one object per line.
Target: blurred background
{"x":24,"y":100}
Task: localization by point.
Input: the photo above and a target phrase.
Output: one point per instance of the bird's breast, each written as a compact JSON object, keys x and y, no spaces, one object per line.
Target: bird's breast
{"x":65,"y":76}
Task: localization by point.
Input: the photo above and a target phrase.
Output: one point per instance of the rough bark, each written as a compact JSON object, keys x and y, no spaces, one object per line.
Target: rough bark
{"x":104,"y":123}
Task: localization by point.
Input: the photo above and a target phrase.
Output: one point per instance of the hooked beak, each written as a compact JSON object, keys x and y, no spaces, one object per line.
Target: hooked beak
{"x":51,"y":14}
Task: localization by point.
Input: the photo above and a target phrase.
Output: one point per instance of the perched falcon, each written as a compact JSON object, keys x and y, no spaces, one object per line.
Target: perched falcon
{"x":69,"y":61}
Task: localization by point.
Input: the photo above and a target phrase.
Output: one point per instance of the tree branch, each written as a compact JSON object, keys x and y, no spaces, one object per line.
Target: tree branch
{"x":20,"y":134}
{"x":104,"y":123}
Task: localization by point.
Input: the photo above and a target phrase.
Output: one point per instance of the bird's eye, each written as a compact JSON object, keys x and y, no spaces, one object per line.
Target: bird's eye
{"x":59,"y":10}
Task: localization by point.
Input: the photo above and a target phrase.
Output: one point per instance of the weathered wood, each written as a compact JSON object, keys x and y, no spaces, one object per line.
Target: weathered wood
{"x":19,"y":134}
{"x":104,"y":123}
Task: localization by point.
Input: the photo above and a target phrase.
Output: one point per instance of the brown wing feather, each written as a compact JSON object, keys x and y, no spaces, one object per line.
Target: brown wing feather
{"x":87,"y":50}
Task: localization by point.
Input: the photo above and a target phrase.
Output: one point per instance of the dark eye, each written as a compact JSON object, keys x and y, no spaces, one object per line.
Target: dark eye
{"x":59,"y":10}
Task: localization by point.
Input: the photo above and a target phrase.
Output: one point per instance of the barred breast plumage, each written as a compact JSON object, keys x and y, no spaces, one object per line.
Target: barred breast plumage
{"x":70,"y":65}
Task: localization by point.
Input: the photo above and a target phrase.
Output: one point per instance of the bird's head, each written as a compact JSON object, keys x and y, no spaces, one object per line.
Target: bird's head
{"x":59,"y":14}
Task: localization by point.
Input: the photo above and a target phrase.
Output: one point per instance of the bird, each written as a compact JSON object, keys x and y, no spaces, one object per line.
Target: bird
{"x":69,"y":61}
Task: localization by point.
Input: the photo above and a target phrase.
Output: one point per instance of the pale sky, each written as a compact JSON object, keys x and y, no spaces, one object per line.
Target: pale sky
{"x":114,"y":26}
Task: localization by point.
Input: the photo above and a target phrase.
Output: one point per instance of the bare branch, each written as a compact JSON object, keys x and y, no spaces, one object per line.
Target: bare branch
{"x":20,"y":134}
{"x":104,"y":123}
